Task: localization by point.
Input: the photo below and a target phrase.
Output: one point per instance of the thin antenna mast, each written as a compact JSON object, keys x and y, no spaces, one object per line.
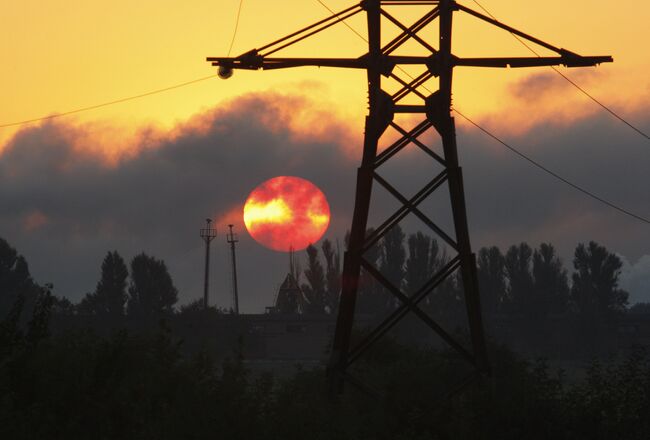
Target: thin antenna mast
{"x":207,"y":234}
{"x":232,"y":239}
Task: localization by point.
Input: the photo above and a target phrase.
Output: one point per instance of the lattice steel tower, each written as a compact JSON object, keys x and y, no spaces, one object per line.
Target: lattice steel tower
{"x":381,"y":63}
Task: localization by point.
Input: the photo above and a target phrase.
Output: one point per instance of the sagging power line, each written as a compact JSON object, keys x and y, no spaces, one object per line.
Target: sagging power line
{"x":515,"y":150}
{"x":570,"y":81}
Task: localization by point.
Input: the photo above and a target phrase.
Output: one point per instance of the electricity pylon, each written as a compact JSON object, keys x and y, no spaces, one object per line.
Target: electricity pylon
{"x":381,"y":62}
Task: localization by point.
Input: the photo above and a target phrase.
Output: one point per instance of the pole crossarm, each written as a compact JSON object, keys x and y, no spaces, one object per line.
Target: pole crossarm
{"x":259,"y":58}
{"x":382,"y":64}
{"x":254,"y":61}
{"x":565,"y":60}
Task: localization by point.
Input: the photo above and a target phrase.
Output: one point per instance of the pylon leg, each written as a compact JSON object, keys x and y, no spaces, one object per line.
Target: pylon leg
{"x":352,"y":262}
{"x":467,"y":258}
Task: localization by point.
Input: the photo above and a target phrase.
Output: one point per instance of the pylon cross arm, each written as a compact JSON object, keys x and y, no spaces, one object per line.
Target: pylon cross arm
{"x":259,"y":58}
{"x":250,"y":63}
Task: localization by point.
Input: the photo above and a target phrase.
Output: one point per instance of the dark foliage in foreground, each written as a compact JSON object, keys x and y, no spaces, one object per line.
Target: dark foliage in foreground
{"x":79,"y":385}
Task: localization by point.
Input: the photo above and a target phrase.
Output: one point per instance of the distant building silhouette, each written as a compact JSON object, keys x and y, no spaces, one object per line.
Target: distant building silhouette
{"x":290,"y":298}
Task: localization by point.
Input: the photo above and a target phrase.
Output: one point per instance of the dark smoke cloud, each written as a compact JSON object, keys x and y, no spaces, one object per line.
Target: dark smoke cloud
{"x":551,"y":85}
{"x":64,"y":209}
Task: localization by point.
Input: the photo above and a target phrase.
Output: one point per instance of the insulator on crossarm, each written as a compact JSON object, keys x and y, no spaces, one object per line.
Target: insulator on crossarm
{"x":225,"y":72}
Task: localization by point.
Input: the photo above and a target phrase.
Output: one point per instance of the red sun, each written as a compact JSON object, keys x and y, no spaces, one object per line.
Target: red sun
{"x":286,"y":212}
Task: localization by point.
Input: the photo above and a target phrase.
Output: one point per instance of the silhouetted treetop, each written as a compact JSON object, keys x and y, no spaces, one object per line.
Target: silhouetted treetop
{"x":595,"y":288}
{"x":110,"y":296}
{"x":15,"y":279}
{"x":151,"y":289}
{"x":393,"y":256}
{"x":315,"y":287}
{"x":332,"y":274}
{"x":551,"y":281}
{"x":492,"y":279}
{"x":518,"y":270}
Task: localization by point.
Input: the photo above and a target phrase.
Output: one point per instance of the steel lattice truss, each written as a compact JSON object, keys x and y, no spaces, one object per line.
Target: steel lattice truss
{"x":382,"y":62}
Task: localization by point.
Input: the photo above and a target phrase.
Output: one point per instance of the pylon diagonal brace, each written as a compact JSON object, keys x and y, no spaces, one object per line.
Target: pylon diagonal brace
{"x":410,"y":87}
{"x":411,"y":30}
{"x":408,"y":137}
{"x":410,"y":304}
{"x":413,"y":208}
{"x":408,"y":31}
{"x":405,"y":210}
{"x":380,"y":61}
{"x":411,"y":137}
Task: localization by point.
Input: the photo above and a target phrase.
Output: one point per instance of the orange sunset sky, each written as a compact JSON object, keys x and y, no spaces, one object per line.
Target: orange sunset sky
{"x":62,"y":55}
{"x":103,"y":179}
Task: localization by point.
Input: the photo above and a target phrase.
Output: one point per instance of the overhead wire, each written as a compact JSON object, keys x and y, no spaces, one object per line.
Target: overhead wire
{"x":519,"y":153}
{"x":129,"y":98}
{"x":553,"y":173}
{"x":105,"y":104}
{"x":573,"y":83}
{"x":234,"y":34}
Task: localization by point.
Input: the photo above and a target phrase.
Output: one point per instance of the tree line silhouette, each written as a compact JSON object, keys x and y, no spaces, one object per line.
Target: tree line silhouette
{"x":78,"y":384}
{"x":146,"y":291}
{"x":530,"y":285}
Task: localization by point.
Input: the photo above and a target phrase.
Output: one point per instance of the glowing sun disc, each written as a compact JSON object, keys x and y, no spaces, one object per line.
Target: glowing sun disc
{"x":286,"y":212}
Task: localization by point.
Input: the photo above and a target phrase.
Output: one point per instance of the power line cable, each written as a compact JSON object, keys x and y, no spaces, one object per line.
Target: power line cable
{"x":581,"y":89}
{"x":519,"y":153}
{"x":344,"y":22}
{"x":234,"y":34}
{"x":129,"y":98}
{"x":553,"y":173}
{"x":105,"y":104}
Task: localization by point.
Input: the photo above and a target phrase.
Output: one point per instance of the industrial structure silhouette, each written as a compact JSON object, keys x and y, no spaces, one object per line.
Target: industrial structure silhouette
{"x":412,"y":96}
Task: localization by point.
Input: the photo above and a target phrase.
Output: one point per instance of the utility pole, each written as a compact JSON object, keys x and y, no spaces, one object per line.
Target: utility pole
{"x":207,"y":234}
{"x":232,"y":239}
{"x":391,"y":91}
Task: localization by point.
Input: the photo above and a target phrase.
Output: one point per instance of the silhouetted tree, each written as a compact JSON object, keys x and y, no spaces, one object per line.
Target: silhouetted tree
{"x":419,"y":267}
{"x":151,"y":290}
{"x":196,"y":308}
{"x":15,"y":279}
{"x":492,"y":279}
{"x":595,"y":290}
{"x":62,"y":306}
{"x":110,"y":296}
{"x":595,"y":295}
{"x":332,"y":274}
{"x":87,"y":305}
{"x":551,"y":292}
{"x":640,"y":309}
{"x":370,"y":299}
{"x":426,"y":258}
{"x":314,"y":290}
{"x":393,"y":259}
{"x":111,"y":288}
{"x":518,"y":270}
